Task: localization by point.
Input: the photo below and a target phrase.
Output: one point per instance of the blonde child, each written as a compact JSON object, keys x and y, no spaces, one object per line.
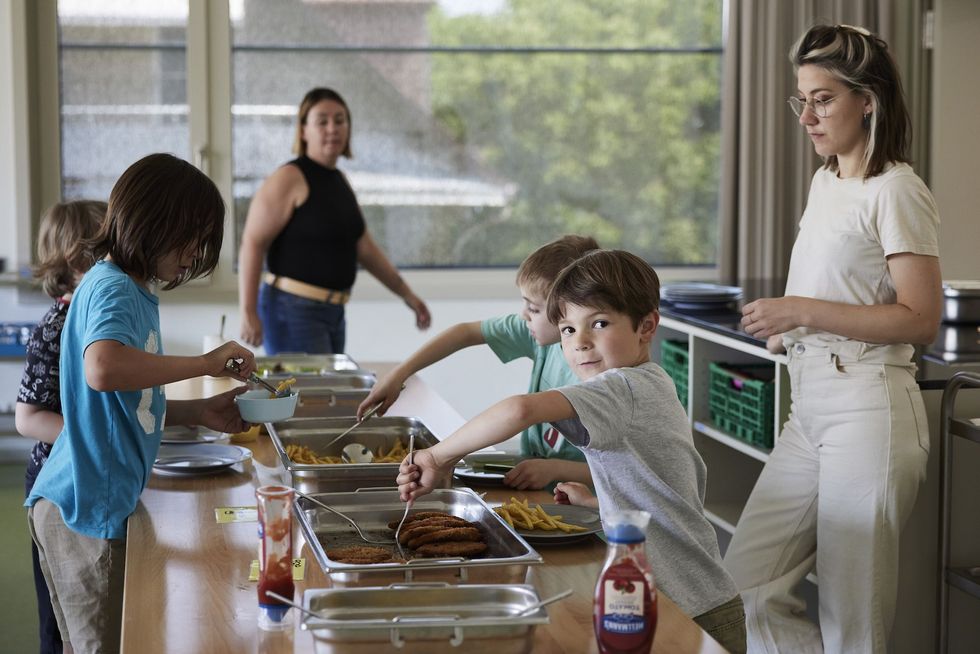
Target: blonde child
{"x":163,"y":226}
{"x":547,"y":455}
{"x":62,"y":260}
{"x":626,"y":418}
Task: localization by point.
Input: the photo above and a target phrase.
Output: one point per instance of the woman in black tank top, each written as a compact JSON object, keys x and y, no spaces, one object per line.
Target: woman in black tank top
{"x":306,"y":223}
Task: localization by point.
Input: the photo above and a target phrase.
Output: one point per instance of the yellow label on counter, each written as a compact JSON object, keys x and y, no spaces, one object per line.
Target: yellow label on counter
{"x":236,"y":514}
{"x":299,"y":570}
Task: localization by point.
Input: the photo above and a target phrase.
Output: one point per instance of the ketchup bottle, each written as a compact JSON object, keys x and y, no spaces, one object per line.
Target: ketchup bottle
{"x":275,"y":505}
{"x":625,"y":607}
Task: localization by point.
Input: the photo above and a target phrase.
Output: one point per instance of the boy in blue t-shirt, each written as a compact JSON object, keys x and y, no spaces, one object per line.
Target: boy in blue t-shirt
{"x":163,"y":226}
{"x":547,"y":457}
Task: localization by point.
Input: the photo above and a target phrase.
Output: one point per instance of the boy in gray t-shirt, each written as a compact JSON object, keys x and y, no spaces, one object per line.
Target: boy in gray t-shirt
{"x":627,"y":420}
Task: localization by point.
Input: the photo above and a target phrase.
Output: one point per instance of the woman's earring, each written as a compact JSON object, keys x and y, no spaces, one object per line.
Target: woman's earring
{"x":866,"y":122}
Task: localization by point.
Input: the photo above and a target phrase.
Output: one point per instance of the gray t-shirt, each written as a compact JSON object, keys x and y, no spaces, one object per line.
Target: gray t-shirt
{"x":637,"y":441}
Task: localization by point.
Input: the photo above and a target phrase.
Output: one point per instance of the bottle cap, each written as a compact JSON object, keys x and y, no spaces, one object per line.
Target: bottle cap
{"x":626,"y":526}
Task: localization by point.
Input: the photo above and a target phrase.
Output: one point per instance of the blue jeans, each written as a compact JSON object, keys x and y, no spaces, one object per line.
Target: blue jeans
{"x":294,"y":324}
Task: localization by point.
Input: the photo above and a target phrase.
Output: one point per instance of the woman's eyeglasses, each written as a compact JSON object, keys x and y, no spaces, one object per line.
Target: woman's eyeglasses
{"x":819,"y":107}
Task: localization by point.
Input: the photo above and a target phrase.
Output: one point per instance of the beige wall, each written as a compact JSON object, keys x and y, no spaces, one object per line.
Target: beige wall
{"x":955,"y":178}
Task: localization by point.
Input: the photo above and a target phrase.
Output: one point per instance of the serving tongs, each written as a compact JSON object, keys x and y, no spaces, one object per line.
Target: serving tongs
{"x":370,"y":412}
{"x":408,"y":504}
{"x":347,"y":518}
{"x":255,"y":379}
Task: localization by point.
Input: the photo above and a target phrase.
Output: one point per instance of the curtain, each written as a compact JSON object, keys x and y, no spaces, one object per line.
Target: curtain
{"x":767,"y":161}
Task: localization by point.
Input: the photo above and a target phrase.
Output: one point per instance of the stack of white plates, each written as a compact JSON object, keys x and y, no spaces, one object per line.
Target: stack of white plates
{"x":699,"y":295}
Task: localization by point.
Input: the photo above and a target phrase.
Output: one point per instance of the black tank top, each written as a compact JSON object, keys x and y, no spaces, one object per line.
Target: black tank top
{"x":319,"y":243}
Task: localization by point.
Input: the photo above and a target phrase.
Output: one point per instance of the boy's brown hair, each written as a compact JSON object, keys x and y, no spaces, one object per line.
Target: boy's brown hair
{"x":614,"y":280}
{"x":542,"y":266}
{"x":162,"y":204}
{"x":62,"y":252}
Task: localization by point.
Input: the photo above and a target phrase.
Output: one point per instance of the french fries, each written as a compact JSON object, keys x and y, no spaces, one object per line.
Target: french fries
{"x":282,"y":386}
{"x":517,"y":513}
{"x":305,"y":455}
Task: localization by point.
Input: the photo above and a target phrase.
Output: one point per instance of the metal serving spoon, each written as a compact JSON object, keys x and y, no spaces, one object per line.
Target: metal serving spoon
{"x":345,"y":517}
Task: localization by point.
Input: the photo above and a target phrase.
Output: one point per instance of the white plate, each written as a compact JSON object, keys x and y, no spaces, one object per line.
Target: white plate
{"x":573,"y":515}
{"x":179,"y":435}
{"x":468,"y":473}
{"x":199,"y":458}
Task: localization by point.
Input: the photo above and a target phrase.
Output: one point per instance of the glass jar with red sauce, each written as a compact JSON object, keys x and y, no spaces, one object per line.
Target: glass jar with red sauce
{"x":275,"y":509}
{"x":625,"y":606}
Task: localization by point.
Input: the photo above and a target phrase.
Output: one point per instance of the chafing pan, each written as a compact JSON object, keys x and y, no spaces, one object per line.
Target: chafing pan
{"x":316,"y":433}
{"x":419,"y":617}
{"x":306,"y":364}
{"x":348,"y":380}
{"x":506,"y":560}
{"x":329,"y":403}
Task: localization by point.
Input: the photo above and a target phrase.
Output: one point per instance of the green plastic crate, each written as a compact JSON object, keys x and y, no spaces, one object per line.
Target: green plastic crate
{"x":673,"y":358}
{"x":740,"y":400}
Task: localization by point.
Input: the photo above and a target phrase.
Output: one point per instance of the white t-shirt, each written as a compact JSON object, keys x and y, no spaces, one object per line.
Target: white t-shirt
{"x":848,"y":229}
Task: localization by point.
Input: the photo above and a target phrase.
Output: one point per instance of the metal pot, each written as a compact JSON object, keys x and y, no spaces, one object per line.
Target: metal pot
{"x":961,"y":301}
{"x":958,"y":338}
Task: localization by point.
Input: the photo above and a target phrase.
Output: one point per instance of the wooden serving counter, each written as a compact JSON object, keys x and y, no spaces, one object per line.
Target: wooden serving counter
{"x":187,"y":585}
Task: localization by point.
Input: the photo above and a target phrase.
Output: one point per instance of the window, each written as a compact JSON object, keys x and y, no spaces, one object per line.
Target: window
{"x":123,"y":88}
{"x":482,"y":129}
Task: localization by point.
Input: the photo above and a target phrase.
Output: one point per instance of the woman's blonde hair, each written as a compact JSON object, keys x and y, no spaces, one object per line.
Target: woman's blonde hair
{"x":862,"y":62}
{"x":62,"y":250}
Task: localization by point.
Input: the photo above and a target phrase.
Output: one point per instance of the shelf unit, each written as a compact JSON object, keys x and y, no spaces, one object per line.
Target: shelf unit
{"x":741,"y":461}
{"x":966,"y":579}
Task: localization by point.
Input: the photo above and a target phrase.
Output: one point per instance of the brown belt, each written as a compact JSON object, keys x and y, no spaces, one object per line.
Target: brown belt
{"x":309,"y":291}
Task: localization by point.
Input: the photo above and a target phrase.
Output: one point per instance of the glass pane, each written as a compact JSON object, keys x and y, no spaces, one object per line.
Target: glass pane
{"x":474,"y":156}
{"x":123,"y":88}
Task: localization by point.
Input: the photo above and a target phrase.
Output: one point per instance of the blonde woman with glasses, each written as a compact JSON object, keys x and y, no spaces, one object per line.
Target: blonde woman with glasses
{"x":864,"y":285}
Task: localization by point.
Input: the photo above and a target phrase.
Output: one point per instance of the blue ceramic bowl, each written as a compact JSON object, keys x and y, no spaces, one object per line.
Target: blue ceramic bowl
{"x":256,"y":406}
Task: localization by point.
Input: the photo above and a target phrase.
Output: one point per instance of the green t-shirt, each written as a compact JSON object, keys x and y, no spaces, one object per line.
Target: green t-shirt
{"x":509,"y":338}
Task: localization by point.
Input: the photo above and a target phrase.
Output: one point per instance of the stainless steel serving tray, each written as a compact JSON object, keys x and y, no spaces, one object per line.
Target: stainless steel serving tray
{"x":506,"y":560}
{"x":412,"y":616}
{"x":329,"y":402}
{"x":339,"y":381}
{"x":305,"y":364}
{"x":316,"y":433}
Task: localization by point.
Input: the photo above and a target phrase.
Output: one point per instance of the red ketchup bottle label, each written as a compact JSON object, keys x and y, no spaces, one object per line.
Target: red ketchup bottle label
{"x":625,"y":608}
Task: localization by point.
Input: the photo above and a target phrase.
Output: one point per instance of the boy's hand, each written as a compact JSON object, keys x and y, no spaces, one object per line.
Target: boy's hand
{"x":531,"y":474}
{"x":385,"y":393}
{"x":572,"y":492}
{"x":216,"y":359}
{"x":416,"y":479}
{"x":220,"y":412}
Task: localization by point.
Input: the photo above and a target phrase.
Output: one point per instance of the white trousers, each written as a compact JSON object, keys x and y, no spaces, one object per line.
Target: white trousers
{"x":839,"y":485}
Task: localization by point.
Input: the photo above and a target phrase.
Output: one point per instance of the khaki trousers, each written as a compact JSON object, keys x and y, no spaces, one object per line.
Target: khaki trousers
{"x":85,"y":580}
{"x":839,"y":485}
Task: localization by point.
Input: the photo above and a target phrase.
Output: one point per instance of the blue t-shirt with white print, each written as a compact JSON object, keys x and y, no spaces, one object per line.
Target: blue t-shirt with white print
{"x":103,"y":458}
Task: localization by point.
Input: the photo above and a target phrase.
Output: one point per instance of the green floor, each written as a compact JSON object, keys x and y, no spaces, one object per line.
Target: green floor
{"x":18,"y":611}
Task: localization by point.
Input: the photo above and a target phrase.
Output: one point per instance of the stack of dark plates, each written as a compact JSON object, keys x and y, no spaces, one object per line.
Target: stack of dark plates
{"x":700,"y":296}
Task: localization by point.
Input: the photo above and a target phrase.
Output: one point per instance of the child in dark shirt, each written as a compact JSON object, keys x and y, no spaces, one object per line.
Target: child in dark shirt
{"x":62,"y":260}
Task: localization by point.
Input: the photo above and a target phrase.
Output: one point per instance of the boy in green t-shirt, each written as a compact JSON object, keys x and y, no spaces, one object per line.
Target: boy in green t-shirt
{"x":547,"y":457}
